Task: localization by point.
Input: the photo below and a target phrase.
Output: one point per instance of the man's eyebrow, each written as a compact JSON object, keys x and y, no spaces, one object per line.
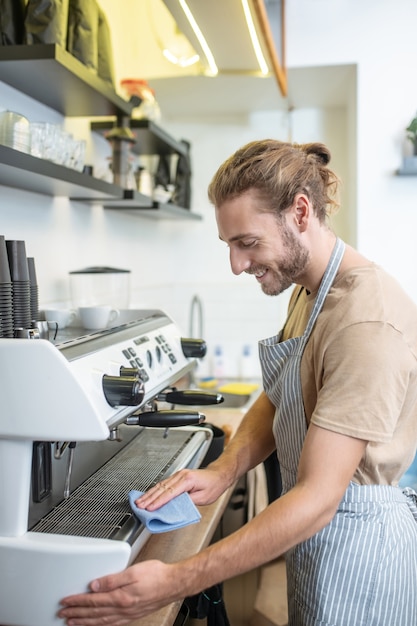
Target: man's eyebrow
{"x":238,"y":237}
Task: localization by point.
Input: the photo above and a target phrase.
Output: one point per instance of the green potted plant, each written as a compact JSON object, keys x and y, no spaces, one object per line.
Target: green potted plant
{"x":412,"y":134}
{"x":409,"y":165}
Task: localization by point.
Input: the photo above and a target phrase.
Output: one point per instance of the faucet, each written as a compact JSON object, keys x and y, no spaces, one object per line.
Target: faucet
{"x":196,"y":307}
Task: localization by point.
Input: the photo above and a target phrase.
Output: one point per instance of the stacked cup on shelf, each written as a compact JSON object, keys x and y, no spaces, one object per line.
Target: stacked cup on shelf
{"x":19,"y":298}
{"x":19,"y":272}
{"x":43,"y":140}
{"x":14,"y":131}
{"x":51,"y":142}
{"x":34,"y":292}
{"x":6,"y":301}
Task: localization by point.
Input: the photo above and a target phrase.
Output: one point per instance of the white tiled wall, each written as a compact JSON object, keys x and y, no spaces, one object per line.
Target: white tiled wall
{"x":233,"y":317}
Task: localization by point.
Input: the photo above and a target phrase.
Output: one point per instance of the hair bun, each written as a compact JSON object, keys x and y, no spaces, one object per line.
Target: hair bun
{"x":319,"y":150}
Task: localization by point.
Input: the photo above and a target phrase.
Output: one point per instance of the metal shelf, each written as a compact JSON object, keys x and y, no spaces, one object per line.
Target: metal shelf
{"x":53,"y":76}
{"x":24,"y":171}
{"x":150,"y":138}
{"x":143,"y":206}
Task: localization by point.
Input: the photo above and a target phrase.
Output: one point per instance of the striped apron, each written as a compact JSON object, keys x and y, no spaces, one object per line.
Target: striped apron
{"x":361,"y":569}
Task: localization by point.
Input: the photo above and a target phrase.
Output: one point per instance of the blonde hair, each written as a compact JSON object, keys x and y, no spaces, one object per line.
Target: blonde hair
{"x":278,"y":171}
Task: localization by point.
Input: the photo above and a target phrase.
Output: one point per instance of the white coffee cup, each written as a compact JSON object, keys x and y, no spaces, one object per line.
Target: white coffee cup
{"x":63,"y":317}
{"x":95,"y":317}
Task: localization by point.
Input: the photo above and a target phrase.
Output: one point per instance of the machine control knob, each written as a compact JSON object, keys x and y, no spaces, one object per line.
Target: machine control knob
{"x":128,"y":371}
{"x":195,"y":348}
{"x":158,"y":353}
{"x":123,"y":390}
{"x":149,"y":358}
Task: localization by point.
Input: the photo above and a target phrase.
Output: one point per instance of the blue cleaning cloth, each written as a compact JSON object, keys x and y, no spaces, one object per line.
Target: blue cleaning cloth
{"x":178,"y":512}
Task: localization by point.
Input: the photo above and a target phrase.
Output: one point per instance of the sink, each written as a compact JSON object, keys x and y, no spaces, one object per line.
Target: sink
{"x":234,"y":400}
{"x":236,"y":394}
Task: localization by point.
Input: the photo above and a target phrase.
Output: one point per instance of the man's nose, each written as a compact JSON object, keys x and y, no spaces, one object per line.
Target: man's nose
{"x":239,"y":261}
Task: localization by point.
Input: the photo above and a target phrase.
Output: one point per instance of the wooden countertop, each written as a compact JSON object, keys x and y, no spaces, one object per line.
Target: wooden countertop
{"x":181,"y":543}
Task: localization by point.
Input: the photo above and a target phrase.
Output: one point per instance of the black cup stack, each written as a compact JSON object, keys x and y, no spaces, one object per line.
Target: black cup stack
{"x":6,"y":301}
{"x":19,"y":272}
{"x":34,"y":293}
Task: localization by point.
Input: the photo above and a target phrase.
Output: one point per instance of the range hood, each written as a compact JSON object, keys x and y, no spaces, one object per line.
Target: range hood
{"x":225,"y":30}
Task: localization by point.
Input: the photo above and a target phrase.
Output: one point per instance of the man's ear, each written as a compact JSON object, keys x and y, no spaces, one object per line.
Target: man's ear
{"x":301,"y":211}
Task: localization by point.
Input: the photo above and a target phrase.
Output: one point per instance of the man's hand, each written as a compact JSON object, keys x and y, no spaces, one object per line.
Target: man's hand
{"x":204,"y":487}
{"x":121,"y":598}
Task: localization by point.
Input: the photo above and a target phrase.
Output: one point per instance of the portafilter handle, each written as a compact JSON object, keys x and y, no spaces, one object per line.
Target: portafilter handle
{"x":165,"y":419}
{"x":190,"y":397}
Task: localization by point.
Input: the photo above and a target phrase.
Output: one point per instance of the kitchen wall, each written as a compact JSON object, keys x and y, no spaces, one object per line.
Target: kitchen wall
{"x":172,"y":260}
{"x":378,"y":36}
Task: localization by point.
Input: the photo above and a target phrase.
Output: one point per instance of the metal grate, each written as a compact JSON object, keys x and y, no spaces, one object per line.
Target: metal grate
{"x":99,"y":507}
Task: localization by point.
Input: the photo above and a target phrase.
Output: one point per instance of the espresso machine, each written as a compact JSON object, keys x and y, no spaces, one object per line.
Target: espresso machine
{"x":84,"y":420}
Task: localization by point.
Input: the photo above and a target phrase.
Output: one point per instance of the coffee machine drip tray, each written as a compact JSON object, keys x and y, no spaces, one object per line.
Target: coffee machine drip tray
{"x":99,"y":507}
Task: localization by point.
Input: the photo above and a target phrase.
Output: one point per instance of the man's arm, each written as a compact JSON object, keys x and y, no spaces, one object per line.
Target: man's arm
{"x":252,"y":443}
{"x":327,"y":464}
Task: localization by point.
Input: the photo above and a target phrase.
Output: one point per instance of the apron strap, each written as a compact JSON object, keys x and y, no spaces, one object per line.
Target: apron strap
{"x":326,"y":283}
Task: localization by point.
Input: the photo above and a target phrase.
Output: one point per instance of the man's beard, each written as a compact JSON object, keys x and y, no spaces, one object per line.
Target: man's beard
{"x":293,"y":264}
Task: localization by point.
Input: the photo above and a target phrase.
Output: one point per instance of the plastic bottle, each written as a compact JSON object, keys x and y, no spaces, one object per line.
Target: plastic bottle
{"x":218,"y":362}
{"x":246,"y":365}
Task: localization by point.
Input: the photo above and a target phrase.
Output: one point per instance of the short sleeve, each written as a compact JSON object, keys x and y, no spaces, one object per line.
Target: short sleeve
{"x":362,"y":381}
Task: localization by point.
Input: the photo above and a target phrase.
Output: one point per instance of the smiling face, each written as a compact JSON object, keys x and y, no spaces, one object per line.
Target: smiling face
{"x":261,"y":244}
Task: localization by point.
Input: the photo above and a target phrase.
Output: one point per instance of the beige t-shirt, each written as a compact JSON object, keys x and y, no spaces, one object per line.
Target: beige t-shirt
{"x":359,"y":368}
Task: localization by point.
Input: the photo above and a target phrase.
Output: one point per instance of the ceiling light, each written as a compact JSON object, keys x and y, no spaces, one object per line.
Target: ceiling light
{"x":203,"y":43}
{"x":179,"y":60}
{"x":179,"y":51}
{"x":176,"y":48}
{"x":254,"y":38}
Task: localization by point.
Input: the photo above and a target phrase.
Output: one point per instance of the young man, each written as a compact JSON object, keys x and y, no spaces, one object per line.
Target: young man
{"x":339,"y":406}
